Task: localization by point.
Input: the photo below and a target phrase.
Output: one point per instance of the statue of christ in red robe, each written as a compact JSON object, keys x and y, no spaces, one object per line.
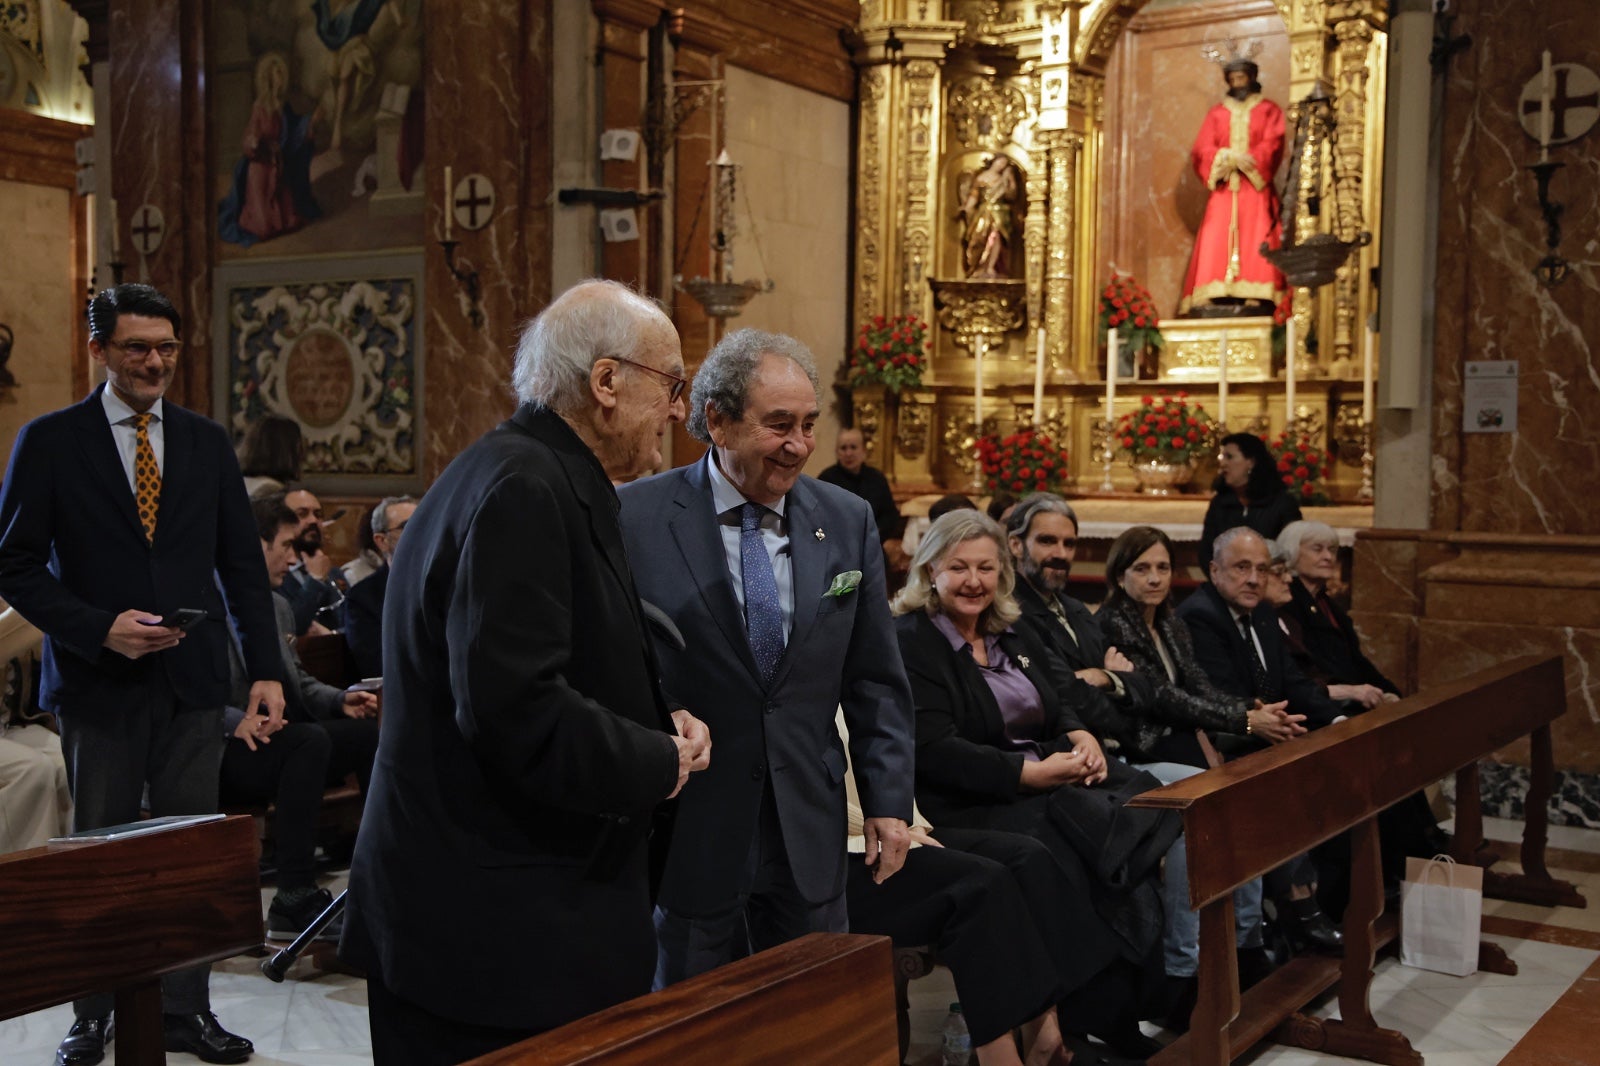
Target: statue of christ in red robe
{"x":1236,"y":154}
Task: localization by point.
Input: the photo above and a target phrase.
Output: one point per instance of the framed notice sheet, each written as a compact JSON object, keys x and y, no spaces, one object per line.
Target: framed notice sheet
{"x":1489,"y":396}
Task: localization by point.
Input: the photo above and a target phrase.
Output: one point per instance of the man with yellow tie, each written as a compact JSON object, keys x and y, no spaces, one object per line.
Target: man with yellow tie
{"x":123,"y":526}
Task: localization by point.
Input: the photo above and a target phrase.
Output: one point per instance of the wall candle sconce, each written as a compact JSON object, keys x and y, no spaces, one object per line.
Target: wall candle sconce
{"x":1552,"y":269}
{"x":465,"y":275}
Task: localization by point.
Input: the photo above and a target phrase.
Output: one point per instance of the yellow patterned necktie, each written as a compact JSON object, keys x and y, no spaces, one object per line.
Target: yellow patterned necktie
{"x":146,"y":476}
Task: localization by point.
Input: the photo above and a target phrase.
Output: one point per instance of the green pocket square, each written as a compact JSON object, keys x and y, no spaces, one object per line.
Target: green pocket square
{"x":844,"y":584}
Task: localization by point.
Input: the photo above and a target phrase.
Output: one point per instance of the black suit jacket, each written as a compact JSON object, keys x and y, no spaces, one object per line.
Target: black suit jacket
{"x":1223,"y":654}
{"x":783,"y":735}
{"x":960,"y":763}
{"x":1101,"y":710}
{"x":500,"y":877}
{"x":363,"y":621}
{"x":1332,"y":647}
{"x":73,"y":556}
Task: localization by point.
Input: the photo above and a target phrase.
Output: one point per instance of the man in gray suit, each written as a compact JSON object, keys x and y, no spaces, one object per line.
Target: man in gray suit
{"x":776,"y":582}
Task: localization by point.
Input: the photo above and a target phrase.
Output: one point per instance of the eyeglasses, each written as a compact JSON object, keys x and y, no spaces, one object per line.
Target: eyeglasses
{"x":140,"y":349}
{"x":678,"y":384}
{"x":1244,"y":569}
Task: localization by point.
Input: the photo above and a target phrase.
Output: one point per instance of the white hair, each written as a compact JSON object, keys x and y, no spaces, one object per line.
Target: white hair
{"x":592,"y":320}
{"x":1226,"y":538}
{"x":1296,"y":535}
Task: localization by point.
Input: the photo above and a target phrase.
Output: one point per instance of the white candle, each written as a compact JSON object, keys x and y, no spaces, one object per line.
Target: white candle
{"x":1111,"y":372}
{"x":1288,"y":372}
{"x":977,"y":385}
{"x":1547,"y":91}
{"x":1366,"y":374}
{"x":449,"y":200}
{"x":1038,"y":381}
{"x":116,"y":241}
{"x":1222,"y":381}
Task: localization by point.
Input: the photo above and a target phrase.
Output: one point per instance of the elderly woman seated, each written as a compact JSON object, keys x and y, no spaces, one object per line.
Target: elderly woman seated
{"x":998,"y":749}
{"x":1321,"y":636}
{"x":1172,"y":737}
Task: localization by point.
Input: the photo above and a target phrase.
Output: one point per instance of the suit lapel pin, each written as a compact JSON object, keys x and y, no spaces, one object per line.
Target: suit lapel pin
{"x":1023,"y":659}
{"x":819,"y":534}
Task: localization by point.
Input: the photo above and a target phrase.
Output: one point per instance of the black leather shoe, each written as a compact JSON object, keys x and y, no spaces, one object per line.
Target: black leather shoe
{"x":85,"y":1043}
{"x":199,"y":1034}
{"x":1309,"y":927}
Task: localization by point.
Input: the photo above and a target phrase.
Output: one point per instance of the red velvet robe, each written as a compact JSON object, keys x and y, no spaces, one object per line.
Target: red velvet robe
{"x":1243,"y":209}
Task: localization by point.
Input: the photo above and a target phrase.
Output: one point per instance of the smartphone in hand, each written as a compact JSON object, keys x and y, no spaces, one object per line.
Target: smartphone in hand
{"x":184,"y":618}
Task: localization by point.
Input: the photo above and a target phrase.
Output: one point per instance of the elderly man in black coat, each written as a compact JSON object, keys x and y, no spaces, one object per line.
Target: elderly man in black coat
{"x":501,"y":878}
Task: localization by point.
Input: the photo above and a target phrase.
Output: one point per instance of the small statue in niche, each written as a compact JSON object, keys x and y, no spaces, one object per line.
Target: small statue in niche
{"x":989,"y":218}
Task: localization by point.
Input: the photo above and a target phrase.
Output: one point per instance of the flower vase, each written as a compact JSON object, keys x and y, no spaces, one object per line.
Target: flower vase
{"x":1158,"y":478}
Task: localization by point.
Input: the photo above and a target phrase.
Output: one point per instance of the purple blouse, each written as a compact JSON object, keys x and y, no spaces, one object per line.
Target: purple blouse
{"x":1021,"y":709}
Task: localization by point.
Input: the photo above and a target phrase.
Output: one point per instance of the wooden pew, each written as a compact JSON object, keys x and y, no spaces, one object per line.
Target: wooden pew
{"x":115,"y":916}
{"x":1251,"y":815}
{"x":827,"y":997}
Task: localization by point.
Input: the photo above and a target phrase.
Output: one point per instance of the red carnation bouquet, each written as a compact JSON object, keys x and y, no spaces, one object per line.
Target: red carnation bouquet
{"x":1128,"y":306}
{"x":1028,"y":461}
{"x":1303,"y":465}
{"x":891,"y":352}
{"x":1166,"y":429}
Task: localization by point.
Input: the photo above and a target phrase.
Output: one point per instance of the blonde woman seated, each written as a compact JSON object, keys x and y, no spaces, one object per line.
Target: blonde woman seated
{"x":1173,"y":738}
{"x":997,"y":750}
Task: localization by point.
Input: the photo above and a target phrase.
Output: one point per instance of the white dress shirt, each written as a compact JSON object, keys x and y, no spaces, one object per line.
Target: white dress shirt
{"x":120,"y":415}
{"x":728,"y":502}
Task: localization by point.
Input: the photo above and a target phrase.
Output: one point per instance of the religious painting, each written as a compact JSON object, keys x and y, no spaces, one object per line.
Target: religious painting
{"x":317,"y":126}
{"x":334,"y":345}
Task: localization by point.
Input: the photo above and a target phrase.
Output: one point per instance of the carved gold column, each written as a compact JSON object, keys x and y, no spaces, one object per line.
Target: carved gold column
{"x":919,"y":142}
{"x":1060,"y":252}
{"x":871,"y":191}
{"x":1354,"y":32}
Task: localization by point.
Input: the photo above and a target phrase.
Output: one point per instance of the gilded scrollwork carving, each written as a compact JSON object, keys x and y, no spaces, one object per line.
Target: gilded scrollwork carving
{"x":983,"y":112}
{"x":960,"y":440}
{"x":868,"y":414}
{"x":1355,"y":39}
{"x":913,"y":432}
{"x":1064,"y":148}
{"x":921,"y":77}
{"x":1035,"y":229}
{"x":869,"y":194}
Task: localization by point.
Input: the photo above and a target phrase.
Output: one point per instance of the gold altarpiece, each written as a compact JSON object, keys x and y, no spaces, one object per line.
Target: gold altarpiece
{"x":943,"y":86}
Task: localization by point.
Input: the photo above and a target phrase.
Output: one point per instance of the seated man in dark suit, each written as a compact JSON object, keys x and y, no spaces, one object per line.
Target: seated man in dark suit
{"x":1043,"y":535}
{"x":330,"y":734}
{"x":1236,"y":636}
{"x":309,"y":586}
{"x":363,"y":604}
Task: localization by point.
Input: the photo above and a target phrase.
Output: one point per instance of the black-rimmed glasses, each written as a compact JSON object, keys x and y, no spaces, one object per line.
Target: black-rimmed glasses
{"x":678,"y":384}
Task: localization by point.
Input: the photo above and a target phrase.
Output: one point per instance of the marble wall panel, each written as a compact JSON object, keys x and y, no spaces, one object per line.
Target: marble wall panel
{"x":37,"y":302}
{"x":1158,"y":90}
{"x":1390,"y":641}
{"x":488,"y":87}
{"x":1542,"y":479}
{"x":1384,"y":573}
{"x":796,"y":184}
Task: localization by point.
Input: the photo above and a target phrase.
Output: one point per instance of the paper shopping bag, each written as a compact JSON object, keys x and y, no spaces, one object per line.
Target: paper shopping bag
{"x":1441,"y":908}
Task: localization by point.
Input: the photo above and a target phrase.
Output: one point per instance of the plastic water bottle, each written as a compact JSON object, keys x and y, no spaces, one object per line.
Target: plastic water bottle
{"x":957,"y":1041}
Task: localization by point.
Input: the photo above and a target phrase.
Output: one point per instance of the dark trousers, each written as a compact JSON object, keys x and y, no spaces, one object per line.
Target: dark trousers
{"x":404,"y":1034}
{"x":290,"y":772}
{"x":969,"y":910}
{"x":112,"y":753}
{"x":768,"y":912}
{"x":355,"y":745}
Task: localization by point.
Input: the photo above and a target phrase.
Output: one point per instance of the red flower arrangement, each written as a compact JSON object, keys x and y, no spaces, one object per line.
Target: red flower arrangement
{"x":891,"y":352}
{"x":1167,"y":429}
{"x":1028,"y":461}
{"x":1129,"y":307}
{"x":1303,"y":465}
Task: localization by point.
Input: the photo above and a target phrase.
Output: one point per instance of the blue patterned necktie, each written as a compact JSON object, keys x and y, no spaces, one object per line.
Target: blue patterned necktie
{"x":763,"y":614}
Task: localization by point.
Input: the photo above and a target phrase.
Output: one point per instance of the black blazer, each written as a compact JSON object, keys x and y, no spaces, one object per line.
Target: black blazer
{"x":1332,"y":646}
{"x":1100,"y":710}
{"x":959,"y":728}
{"x":73,"y":556}
{"x":1222,"y":652}
{"x":782,"y":735}
{"x":363,"y":621}
{"x":523,"y":746}
{"x":1267,"y":517}
{"x":1189,"y":702}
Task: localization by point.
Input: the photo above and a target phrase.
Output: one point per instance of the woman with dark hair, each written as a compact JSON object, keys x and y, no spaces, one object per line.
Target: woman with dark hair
{"x":1173,"y":739}
{"x":1249,"y":492}
{"x":271,"y":454}
{"x":999,"y":750}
